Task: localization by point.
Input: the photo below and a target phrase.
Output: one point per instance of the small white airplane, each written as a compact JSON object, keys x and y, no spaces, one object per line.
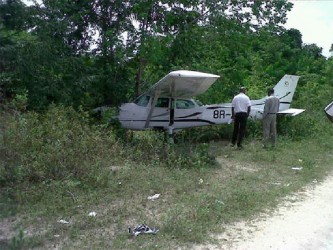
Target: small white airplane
{"x":168,"y":105}
{"x":329,"y":111}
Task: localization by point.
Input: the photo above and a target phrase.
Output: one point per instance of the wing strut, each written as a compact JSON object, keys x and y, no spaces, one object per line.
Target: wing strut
{"x":155,"y":98}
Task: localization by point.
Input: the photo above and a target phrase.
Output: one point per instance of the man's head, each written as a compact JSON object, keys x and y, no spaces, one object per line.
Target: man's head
{"x":270,"y":92}
{"x":242,"y":90}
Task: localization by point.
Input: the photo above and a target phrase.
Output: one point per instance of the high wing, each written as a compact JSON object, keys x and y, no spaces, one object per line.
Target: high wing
{"x":291,"y":112}
{"x":183,"y":84}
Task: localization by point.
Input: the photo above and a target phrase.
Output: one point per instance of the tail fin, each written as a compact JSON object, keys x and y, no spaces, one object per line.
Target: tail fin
{"x":285,"y":90}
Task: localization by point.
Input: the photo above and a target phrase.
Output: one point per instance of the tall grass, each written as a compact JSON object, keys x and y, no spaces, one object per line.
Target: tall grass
{"x":57,"y":145}
{"x":63,"y":148}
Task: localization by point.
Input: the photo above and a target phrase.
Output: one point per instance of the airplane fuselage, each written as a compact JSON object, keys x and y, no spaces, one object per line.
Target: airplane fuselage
{"x":173,"y":114}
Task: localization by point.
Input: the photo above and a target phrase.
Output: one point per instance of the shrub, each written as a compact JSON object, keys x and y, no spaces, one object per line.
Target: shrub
{"x":154,"y":148}
{"x":57,"y":145}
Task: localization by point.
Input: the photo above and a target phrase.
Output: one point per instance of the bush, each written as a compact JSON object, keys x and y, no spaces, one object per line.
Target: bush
{"x":154,"y":148}
{"x":188,"y":156}
{"x":57,"y":145}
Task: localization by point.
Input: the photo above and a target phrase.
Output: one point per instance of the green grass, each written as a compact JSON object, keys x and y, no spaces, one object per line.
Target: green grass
{"x":193,"y":202}
{"x":203,"y":188}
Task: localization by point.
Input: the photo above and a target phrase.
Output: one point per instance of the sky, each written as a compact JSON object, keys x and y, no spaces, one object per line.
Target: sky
{"x":314,"y":19}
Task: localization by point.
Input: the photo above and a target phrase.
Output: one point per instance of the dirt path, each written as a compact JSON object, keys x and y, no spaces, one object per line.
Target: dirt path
{"x":303,"y":222}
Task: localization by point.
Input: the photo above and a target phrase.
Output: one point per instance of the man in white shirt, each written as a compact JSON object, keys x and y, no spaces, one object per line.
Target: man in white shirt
{"x":241,"y":107}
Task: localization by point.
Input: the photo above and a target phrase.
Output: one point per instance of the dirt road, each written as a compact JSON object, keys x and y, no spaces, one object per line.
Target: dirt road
{"x":303,"y":222}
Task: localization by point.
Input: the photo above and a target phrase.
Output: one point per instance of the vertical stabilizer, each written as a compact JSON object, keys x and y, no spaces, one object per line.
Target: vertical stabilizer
{"x":285,"y":89}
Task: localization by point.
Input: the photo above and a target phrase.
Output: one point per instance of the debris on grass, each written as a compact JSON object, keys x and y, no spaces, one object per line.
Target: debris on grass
{"x":220,"y":202}
{"x":63,"y":221}
{"x":92,"y":214}
{"x":142,"y":229}
{"x":153,"y":197}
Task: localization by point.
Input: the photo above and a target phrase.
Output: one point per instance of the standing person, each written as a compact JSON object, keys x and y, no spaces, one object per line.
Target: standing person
{"x":271,"y":108}
{"x":241,"y":107}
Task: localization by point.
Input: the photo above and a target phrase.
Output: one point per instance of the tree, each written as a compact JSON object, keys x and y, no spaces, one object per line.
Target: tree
{"x":102,"y":52}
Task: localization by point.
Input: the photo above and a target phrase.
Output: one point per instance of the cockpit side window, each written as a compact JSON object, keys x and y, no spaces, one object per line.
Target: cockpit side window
{"x":162,"y":102}
{"x":184,"y":104}
{"x":142,"y":100}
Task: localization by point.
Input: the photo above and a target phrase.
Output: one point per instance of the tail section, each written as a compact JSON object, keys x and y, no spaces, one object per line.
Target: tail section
{"x":284,"y":90}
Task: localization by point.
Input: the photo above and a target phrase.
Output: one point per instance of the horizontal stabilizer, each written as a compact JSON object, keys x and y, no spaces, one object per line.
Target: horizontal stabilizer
{"x":291,"y":112}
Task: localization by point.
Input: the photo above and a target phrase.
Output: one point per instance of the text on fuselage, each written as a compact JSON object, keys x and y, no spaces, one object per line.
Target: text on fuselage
{"x":219,"y":114}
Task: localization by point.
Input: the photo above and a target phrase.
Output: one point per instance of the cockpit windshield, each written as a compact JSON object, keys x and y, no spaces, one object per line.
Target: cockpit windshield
{"x":142,"y":100}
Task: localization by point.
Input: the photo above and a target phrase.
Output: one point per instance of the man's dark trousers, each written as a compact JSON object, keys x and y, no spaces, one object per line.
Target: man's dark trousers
{"x":239,"y":128}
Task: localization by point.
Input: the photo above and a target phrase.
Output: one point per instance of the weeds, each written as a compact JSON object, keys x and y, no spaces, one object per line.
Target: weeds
{"x":17,"y":242}
{"x":56,"y":146}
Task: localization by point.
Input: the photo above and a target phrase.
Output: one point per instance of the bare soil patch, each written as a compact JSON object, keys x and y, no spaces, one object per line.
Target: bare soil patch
{"x":304,"y":221}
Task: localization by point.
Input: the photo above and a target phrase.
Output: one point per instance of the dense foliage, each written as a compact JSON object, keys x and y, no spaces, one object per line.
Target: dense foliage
{"x":97,"y":52}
